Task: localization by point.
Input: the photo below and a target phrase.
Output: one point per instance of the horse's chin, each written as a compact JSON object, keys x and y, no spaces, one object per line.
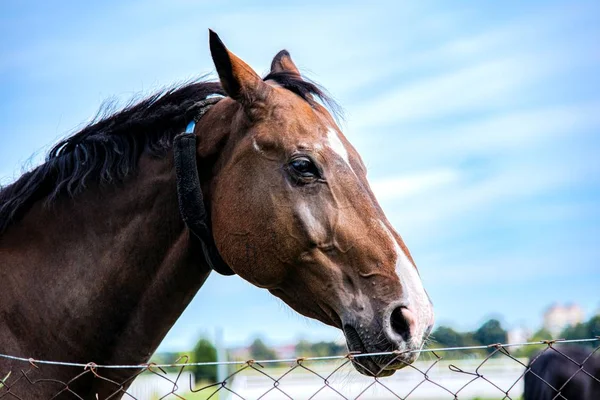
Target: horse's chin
{"x":375,"y":366}
{"x":369,"y":367}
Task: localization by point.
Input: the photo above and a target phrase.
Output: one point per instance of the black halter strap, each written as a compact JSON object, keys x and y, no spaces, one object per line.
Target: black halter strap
{"x":189,"y":192}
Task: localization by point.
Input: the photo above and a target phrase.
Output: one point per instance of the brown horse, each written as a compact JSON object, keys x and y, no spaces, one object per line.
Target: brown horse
{"x":97,"y":263}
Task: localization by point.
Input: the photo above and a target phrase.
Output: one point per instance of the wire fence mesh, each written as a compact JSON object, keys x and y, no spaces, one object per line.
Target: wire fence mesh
{"x":559,"y":369}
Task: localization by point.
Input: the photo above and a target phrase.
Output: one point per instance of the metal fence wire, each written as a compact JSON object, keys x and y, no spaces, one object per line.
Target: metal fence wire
{"x":554,"y":371}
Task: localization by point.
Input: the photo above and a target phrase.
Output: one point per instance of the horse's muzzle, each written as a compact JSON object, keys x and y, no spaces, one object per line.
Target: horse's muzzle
{"x":398,"y":330}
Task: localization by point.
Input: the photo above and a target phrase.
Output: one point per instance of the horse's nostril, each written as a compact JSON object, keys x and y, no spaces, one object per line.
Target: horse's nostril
{"x":400,"y":322}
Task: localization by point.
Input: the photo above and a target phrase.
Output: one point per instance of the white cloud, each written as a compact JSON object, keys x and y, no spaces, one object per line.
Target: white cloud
{"x":410,"y":185}
{"x":485,"y":86}
{"x":507,"y":133}
{"x":454,"y":209}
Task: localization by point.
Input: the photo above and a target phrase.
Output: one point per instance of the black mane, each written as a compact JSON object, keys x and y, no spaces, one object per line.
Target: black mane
{"x":303,"y":88}
{"x":108,"y":149}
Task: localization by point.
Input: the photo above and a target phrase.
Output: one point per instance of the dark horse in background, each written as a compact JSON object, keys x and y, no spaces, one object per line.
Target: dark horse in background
{"x":567,"y":372}
{"x":97,"y":261}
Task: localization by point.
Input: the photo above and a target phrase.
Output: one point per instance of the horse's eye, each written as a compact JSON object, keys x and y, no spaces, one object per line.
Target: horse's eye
{"x":304,"y":168}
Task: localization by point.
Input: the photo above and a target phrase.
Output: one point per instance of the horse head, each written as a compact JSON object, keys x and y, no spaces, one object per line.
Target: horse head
{"x":292,"y":212}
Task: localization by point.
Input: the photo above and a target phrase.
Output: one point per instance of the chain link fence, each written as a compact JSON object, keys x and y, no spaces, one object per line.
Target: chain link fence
{"x":559,"y":369}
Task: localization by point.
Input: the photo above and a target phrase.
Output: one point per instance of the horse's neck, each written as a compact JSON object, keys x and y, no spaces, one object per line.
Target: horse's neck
{"x":100,"y":277}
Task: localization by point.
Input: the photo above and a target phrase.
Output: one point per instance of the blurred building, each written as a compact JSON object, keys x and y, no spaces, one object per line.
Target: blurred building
{"x":558,"y":317}
{"x":518,"y":335}
{"x":243,"y":353}
{"x":239,"y":353}
{"x":285,"y":351}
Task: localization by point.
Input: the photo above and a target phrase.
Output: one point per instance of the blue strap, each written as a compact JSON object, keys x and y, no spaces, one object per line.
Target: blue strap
{"x":202,"y":106}
{"x":190,"y":127}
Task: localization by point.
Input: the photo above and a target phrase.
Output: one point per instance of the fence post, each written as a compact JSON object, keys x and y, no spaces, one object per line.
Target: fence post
{"x":221,"y":355}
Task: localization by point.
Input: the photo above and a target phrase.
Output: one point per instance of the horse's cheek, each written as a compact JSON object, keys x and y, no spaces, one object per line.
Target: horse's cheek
{"x":247,"y":256}
{"x":244,"y":245}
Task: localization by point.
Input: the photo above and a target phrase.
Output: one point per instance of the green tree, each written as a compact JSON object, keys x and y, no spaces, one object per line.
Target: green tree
{"x":578,"y":331}
{"x":204,"y":351}
{"x":326,"y":349}
{"x":260,"y":351}
{"x":444,"y":336}
{"x":541,"y":334}
{"x":528,"y":351}
{"x":594,"y":326}
{"x":304,"y":348}
{"x":585,"y":330}
{"x":447,"y":337}
{"x":489,"y":333}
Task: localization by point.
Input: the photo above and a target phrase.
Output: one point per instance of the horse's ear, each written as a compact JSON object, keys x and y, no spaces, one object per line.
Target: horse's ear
{"x":239,"y":81}
{"x":282,"y":62}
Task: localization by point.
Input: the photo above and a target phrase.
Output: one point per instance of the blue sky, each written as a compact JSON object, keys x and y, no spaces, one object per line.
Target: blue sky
{"x":479,"y":123}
